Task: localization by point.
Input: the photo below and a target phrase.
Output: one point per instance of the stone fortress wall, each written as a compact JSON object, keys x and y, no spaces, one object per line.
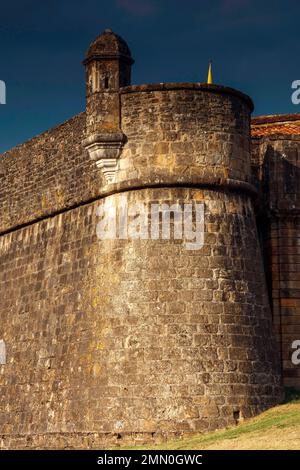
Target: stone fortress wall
{"x":123,"y":340}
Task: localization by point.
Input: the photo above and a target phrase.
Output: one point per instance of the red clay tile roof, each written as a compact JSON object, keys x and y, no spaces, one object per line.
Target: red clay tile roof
{"x":275,"y":124}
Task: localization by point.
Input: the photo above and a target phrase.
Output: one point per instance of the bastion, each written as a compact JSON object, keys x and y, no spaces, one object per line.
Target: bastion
{"x":135,"y":339}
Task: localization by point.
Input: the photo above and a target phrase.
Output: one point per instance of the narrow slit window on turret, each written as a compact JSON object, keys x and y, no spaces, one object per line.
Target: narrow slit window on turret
{"x":106,"y":83}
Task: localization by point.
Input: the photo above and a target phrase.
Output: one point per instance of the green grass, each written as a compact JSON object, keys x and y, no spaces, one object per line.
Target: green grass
{"x":277,"y":428}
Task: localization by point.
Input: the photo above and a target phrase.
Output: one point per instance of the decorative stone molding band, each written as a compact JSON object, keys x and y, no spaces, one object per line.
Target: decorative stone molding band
{"x":169,"y":182}
{"x":136,"y":185}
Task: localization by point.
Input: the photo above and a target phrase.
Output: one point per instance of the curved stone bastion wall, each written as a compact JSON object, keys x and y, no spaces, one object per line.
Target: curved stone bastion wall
{"x":111,"y":336}
{"x":185,"y":133}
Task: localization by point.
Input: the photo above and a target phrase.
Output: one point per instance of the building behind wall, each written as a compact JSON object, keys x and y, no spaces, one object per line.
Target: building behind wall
{"x":276,"y":167}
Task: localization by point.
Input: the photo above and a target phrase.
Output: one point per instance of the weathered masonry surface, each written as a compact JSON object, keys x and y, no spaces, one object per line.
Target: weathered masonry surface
{"x":109,"y":341}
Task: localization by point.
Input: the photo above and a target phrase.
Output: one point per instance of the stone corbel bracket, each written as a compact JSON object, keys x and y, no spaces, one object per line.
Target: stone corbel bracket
{"x":105,"y":150}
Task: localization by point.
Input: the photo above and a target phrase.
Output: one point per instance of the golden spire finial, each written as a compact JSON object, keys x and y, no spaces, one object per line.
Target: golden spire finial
{"x":209,"y":75}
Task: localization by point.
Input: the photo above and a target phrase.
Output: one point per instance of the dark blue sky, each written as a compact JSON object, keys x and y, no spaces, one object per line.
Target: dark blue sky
{"x":254,"y":45}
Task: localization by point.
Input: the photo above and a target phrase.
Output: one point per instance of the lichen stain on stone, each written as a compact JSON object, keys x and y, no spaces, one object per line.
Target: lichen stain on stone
{"x":96,"y":370}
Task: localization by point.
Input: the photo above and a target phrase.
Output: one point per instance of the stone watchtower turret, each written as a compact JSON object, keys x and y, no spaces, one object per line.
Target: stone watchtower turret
{"x":108,"y":67}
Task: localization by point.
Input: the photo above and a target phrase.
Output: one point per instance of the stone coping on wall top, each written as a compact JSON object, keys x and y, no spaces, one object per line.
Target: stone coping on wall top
{"x":189,"y":86}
